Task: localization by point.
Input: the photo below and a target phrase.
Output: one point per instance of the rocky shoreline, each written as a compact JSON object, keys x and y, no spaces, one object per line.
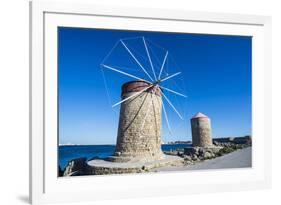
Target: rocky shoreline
{"x":189,"y":156}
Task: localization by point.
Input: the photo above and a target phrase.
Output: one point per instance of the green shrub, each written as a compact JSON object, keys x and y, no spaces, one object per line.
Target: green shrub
{"x":225,"y":150}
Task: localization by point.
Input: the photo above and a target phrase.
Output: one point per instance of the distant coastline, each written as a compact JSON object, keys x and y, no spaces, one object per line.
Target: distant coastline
{"x":163,"y":143}
{"x":179,"y":142}
{"x":64,"y":145}
{"x":220,"y":139}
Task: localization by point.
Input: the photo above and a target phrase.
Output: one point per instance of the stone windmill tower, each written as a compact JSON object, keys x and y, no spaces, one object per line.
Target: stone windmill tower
{"x":201,"y":131}
{"x":139,"y":132}
{"x":140,"y":119}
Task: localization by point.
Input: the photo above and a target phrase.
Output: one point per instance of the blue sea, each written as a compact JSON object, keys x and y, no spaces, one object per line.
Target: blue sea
{"x":67,"y":153}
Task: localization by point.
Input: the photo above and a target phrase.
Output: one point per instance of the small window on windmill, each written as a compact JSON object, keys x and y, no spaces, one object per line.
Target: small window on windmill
{"x":197,"y":123}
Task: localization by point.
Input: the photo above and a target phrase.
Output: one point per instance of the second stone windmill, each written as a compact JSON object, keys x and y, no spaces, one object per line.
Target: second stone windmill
{"x":140,"y":119}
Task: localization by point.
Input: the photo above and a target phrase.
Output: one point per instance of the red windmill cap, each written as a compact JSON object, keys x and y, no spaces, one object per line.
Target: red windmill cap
{"x":136,"y":86}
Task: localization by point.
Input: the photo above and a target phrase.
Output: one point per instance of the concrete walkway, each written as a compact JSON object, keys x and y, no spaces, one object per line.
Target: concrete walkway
{"x":237,"y":159}
{"x":167,"y":160}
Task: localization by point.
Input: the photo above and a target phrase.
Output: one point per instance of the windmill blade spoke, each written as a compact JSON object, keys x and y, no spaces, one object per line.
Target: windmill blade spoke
{"x":165,"y":115}
{"x":147,"y":111}
{"x":124,"y":73}
{"x":172,"y":91}
{"x":131,"y":38}
{"x":147,"y":52}
{"x":170,"y":76}
{"x":136,"y":60}
{"x":169,"y":102}
{"x":110,"y":52}
{"x":134,"y":95}
{"x":163,"y":65}
{"x":166,"y":118}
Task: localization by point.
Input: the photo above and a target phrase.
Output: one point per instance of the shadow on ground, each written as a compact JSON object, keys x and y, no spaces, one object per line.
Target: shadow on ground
{"x":24,"y":199}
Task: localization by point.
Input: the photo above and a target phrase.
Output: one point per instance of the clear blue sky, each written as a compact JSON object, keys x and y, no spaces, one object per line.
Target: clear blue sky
{"x":216,"y":76}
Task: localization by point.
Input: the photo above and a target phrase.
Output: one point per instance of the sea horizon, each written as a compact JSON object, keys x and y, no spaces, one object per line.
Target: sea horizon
{"x":166,"y":143}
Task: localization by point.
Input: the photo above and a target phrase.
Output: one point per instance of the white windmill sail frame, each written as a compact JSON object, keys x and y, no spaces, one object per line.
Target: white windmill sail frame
{"x":154,"y":82}
{"x":148,"y":55}
{"x":133,"y":56}
{"x":159,"y":76}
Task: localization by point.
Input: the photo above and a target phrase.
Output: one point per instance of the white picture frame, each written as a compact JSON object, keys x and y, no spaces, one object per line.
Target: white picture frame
{"x":46,"y":187}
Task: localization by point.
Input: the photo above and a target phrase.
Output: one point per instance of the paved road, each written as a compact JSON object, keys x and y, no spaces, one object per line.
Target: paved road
{"x":238,"y":159}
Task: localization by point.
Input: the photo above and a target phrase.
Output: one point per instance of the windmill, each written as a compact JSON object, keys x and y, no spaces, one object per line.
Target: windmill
{"x":139,"y":133}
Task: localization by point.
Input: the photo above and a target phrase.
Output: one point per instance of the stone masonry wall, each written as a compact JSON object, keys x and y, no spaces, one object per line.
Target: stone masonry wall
{"x":139,"y":139}
{"x":201,"y":132}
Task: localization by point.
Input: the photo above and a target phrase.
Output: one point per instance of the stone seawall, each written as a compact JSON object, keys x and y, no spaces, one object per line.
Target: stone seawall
{"x":235,"y":140}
